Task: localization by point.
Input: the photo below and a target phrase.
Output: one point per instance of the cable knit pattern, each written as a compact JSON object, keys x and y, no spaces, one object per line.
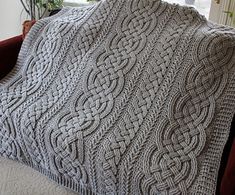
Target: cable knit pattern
{"x":122,"y":97}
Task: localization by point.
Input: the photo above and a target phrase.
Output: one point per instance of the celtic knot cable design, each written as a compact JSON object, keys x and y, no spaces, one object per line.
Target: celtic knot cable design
{"x":39,"y":106}
{"x":8,"y":146}
{"x":157,"y":96}
{"x":129,"y":124}
{"x":103,"y":84}
{"x":84,"y":39}
{"x":71,"y":125}
{"x":180,"y":138}
{"x":36,"y":60}
{"x":27,"y":84}
{"x":39,"y":67}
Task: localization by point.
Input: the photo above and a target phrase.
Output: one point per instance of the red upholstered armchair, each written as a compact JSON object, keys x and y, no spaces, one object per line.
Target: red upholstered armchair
{"x":9,"y":50}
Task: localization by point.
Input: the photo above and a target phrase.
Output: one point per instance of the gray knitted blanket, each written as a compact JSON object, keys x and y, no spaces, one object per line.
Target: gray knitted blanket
{"x":122,"y":97}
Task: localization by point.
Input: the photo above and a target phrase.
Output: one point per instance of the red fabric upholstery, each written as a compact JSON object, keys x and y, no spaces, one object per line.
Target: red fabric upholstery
{"x":227,"y":165}
{"x":228,"y":180}
{"x":9,"y":50}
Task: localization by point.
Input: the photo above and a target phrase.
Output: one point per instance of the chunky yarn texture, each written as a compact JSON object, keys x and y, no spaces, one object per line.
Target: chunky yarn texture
{"x":122,"y":97}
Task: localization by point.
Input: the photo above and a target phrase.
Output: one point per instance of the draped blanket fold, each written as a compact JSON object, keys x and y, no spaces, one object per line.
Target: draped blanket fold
{"x":122,"y":97}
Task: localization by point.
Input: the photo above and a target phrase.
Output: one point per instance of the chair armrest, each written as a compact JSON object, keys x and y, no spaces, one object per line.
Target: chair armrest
{"x":9,"y":50}
{"x":227,"y":184}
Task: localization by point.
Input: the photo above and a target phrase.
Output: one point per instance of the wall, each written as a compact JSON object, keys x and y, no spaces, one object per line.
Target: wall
{"x":11,"y":18}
